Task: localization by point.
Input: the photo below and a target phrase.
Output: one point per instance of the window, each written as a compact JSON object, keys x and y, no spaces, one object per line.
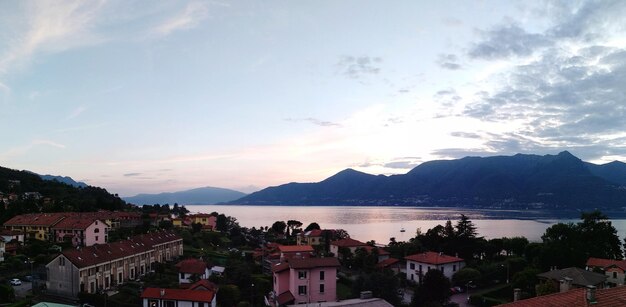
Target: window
{"x":153,"y":303}
{"x":321,"y":288}
{"x":182,"y":275}
{"x":97,"y":230}
{"x":169,"y":304}
{"x":302,"y":290}
{"x":413,"y":266}
{"x":442,"y":269}
{"x":302,"y":275}
{"x":321,"y":275}
{"x":420,"y":267}
{"x":614,"y":274}
{"x":96,"y":238}
{"x":412,"y":278}
{"x":454,"y":268}
{"x":62,"y":261}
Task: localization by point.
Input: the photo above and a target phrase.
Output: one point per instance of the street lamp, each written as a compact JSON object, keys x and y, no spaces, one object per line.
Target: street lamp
{"x":507,"y":271}
{"x":32,"y":278}
{"x":467,"y":286}
{"x":252,"y":294}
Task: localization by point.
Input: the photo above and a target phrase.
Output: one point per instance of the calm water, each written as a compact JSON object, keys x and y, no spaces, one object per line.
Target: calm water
{"x":382,"y":223}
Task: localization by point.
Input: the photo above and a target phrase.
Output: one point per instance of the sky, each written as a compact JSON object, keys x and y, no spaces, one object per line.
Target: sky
{"x":162,"y":96}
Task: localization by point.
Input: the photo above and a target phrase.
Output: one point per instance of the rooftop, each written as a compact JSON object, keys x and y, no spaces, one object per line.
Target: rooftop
{"x":579,"y":276}
{"x":609,"y":297}
{"x":295,"y":248}
{"x":192,"y":265}
{"x":179,"y":294}
{"x":347,"y":242}
{"x":433,"y":258}
{"x":605,"y":263}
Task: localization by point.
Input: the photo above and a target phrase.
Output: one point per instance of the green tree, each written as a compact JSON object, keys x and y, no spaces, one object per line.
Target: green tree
{"x":229,"y":295}
{"x":293,"y":225}
{"x":279,"y":227}
{"x":383,"y":284}
{"x":465,"y":275}
{"x":526,"y":280}
{"x":465,"y":228}
{"x":435,"y":288}
{"x":312,"y":226}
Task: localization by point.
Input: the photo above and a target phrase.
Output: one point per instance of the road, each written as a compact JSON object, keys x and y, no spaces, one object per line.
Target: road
{"x":21,"y":290}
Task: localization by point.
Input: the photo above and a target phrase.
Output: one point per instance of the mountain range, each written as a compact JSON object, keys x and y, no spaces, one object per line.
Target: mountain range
{"x":64,"y":179}
{"x":199,"y":196}
{"x":519,"y":181}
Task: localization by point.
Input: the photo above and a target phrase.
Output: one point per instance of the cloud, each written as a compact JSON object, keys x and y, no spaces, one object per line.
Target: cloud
{"x":401,"y":164}
{"x":76,"y":112}
{"x":314,"y":121}
{"x":507,"y":40}
{"x":448,"y":61}
{"x":447,"y":97}
{"x":357,"y":67}
{"x":23,"y":150}
{"x":50,"y":27}
{"x":188,"y":18}
{"x":467,"y":135}
{"x":132,"y":174}
{"x":4,"y":88}
{"x":452,"y":22}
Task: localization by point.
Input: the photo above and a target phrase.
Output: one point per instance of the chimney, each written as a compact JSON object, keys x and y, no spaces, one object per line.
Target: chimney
{"x":162,"y":292}
{"x":565,"y":284}
{"x":591,"y":294}
{"x":517,"y":293}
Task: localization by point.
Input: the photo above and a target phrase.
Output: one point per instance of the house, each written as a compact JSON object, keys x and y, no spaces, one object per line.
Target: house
{"x":35,"y":225}
{"x":311,"y":237}
{"x":356,"y":302}
{"x":305,"y":280}
{"x":200,"y":294}
{"x":208,"y":221}
{"x":382,"y":254}
{"x":580,"y":297}
{"x":418,"y":264}
{"x":81,"y":231}
{"x":190,"y":269}
{"x":570,"y":278}
{"x":295,"y":251}
{"x":102,"y":266}
{"x":218,"y":270}
{"x":392,"y":264}
{"x":351,"y":244}
{"x":613,"y":269}
{"x":12,"y":235}
{"x":2,"y":249}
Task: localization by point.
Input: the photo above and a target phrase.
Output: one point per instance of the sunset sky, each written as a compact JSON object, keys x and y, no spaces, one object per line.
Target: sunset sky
{"x":161,"y":96}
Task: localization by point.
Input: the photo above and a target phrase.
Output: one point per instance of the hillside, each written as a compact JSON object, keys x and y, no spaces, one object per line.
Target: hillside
{"x":519,"y":181}
{"x":24,"y":191}
{"x":199,"y":196}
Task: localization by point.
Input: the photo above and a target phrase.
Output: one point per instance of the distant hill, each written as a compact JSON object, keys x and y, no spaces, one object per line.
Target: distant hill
{"x":66,"y":180}
{"x":519,"y":181}
{"x":199,"y":196}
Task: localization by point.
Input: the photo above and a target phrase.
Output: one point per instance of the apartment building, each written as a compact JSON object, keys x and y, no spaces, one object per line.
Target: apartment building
{"x":101,"y":266}
{"x":81,"y":231}
{"x":305,"y":280}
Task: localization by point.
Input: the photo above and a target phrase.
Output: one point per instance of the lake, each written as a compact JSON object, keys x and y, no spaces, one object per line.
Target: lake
{"x":366,"y":223}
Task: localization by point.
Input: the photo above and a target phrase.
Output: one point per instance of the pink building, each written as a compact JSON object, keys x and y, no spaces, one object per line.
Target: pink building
{"x":81,"y":231}
{"x":305,"y":280}
{"x":295,"y":251}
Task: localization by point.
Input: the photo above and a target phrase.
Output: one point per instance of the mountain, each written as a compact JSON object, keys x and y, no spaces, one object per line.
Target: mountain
{"x":199,"y":196}
{"x":66,"y":180}
{"x":519,"y":181}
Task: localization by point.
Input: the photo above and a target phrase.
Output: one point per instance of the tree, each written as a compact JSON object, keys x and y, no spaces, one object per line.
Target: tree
{"x":229,"y":295}
{"x":526,"y":280}
{"x":435,"y":288}
{"x":293,"y":225}
{"x":383,"y":284}
{"x":279,"y":227}
{"x":221,"y":223}
{"x":465,"y":275}
{"x":465,"y":228}
{"x":448,"y":230}
{"x":312,"y":226}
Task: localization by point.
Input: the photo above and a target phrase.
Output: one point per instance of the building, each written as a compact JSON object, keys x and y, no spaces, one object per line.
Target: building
{"x":392,"y":264}
{"x":102,"y":266}
{"x":208,"y":221}
{"x":35,"y":225}
{"x":355,"y":302}
{"x":200,"y":294}
{"x":571,"y":278}
{"x":305,"y":280}
{"x":311,"y":237}
{"x":580,"y":297}
{"x":2,"y":249}
{"x":190,"y":267}
{"x":613,"y":269}
{"x":295,"y":251}
{"x":418,"y":265}
{"x":81,"y":231}
{"x":351,"y":244}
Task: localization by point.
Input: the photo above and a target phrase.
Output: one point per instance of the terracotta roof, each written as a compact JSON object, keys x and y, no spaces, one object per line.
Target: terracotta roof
{"x":35,"y":219}
{"x":279,"y":267}
{"x":203,"y":284}
{"x":295,"y":248}
{"x":312,"y":233}
{"x":605,"y":263}
{"x":192,"y":265}
{"x":309,"y":263}
{"x":347,"y":242}
{"x":76,"y":222}
{"x":609,"y":297}
{"x":387,"y":262}
{"x":579,"y":276}
{"x":285,"y":298}
{"x":179,"y":294}
{"x":433,"y":258}
{"x":100,"y":253}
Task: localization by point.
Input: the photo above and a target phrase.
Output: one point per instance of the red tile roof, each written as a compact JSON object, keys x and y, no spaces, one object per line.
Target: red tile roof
{"x":192,"y":265}
{"x":279,"y":267}
{"x":387,"y":262}
{"x":309,"y":263}
{"x":605,"y":263}
{"x":100,"y":253}
{"x":179,"y":294}
{"x":380,"y":250}
{"x":203,"y":284}
{"x":347,"y":242}
{"x":285,"y":298}
{"x":296,"y":248}
{"x":433,"y":258}
{"x":609,"y":297}
{"x":35,"y":219}
{"x":76,"y":222}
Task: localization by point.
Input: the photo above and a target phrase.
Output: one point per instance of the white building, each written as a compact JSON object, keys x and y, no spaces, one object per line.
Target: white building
{"x":200,"y":294}
{"x":419,"y":264}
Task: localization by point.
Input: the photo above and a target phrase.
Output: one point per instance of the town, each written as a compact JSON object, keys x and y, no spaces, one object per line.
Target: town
{"x":167,"y":256}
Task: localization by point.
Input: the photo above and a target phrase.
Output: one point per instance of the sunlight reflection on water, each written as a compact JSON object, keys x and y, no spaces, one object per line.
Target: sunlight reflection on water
{"x":382,"y":223}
